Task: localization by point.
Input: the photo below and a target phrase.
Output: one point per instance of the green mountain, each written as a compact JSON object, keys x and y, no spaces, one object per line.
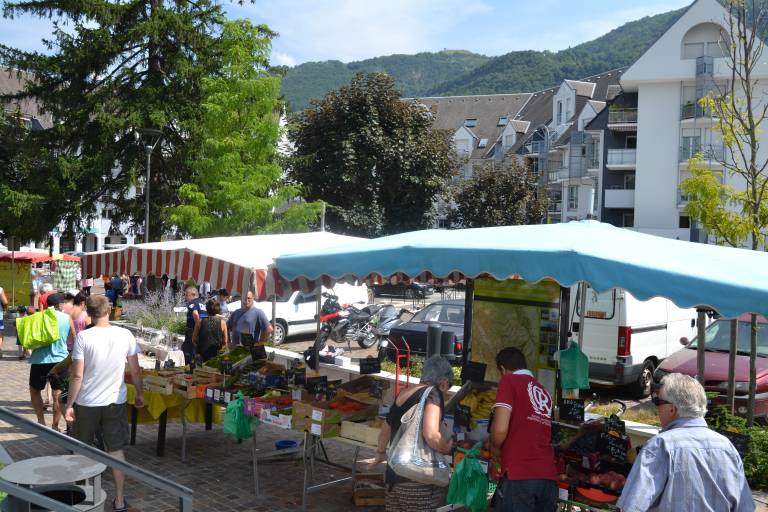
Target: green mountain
{"x":415,"y":74}
{"x":452,"y":72}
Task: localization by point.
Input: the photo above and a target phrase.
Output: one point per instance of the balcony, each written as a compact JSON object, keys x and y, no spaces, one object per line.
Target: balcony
{"x":555,"y":207}
{"x":694,"y":111}
{"x":535,"y":147}
{"x":558,"y":175}
{"x":622,"y":119}
{"x":712,"y":154}
{"x":619,"y":198}
{"x":621,"y":159}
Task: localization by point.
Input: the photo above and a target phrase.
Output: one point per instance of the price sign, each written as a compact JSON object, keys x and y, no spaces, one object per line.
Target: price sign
{"x":258,"y":352}
{"x":462,"y":416}
{"x":571,"y":409}
{"x":614,"y":424}
{"x":370,"y":366}
{"x":615,"y":446}
{"x":473,"y":371}
{"x":377,"y":390}
{"x":247,"y":340}
{"x":317,"y":385}
{"x":226,"y":367}
{"x":296,"y":394}
{"x":740,"y":441}
{"x":316,"y":429}
{"x":299,"y":376}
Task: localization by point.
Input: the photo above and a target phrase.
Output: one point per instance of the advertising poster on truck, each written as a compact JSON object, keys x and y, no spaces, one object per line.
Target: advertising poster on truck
{"x":520,"y":314}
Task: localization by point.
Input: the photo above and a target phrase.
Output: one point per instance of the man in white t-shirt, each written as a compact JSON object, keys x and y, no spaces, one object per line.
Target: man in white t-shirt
{"x":97,"y":392}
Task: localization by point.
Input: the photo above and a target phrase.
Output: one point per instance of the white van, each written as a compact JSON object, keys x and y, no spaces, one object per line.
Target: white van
{"x":296,"y":314}
{"x":626,"y":338}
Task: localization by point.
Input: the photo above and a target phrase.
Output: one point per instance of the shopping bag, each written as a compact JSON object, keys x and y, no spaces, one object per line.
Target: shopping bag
{"x":469,"y":484}
{"x":236,"y":423}
{"x":38,"y":330}
{"x":574,"y":368}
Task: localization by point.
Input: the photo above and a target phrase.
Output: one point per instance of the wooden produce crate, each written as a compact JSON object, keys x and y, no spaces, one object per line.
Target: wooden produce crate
{"x":367,"y":433}
{"x":205,"y":375}
{"x":369,"y":490}
{"x":184,"y":385}
{"x":321,"y":412}
{"x":158,"y":384}
{"x":323,"y":430}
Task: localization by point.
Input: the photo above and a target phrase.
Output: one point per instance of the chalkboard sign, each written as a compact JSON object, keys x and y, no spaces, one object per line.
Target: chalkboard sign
{"x":296,"y":376}
{"x":377,"y":389}
{"x":740,"y":441}
{"x":473,"y":371}
{"x":247,"y":340}
{"x":614,"y":424}
{"x":317,"y":385}
{"x":571,"y":409}
{"x":462,"y":416}
{"x":258,"y":352}
{"x":226,"y":367}
{"x":370,"y":366}
{"x":616,"y":447}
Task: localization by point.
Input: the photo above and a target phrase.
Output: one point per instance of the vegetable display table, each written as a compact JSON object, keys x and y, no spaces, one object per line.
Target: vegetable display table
{"x":56,"y":470}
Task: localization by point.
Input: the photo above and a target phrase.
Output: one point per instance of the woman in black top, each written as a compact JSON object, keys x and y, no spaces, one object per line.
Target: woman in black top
{"x":213,"y":331}
{"x":404,"y":495}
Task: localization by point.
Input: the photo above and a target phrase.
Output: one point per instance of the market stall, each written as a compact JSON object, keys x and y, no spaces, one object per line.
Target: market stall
{"x":16,"y":272}
{"x":237,"y":263}
{"x":728,"y":281}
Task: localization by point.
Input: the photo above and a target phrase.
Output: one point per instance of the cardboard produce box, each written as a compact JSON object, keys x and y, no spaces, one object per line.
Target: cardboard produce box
{"x":367,"y":433}
{"x":323,"y":430}
{"x":322,"y":412}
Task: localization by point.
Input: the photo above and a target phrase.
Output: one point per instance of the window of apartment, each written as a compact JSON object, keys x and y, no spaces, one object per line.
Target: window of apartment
{"x":483,"y":143}
{"x":470,"y":123}
{"x":502,"y":121}
{"x":567,"y":109}
{"x":684,"y":222}
{"x":627,"y":220}
{"x":629,"y":182}
{"x":534,"y":165}
{"x":693,"y":50}
{"x":559,"y":112}
{"x":716,"y":49}
{"x":573,"y":197}
{"x":631,"y":142}
{"x":509,"y":140}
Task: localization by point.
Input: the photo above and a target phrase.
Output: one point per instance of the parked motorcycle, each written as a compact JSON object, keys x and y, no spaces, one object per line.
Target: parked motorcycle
{"x":340,"y":323}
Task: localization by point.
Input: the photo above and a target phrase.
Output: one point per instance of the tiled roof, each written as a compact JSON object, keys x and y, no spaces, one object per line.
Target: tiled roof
{"x":582,"y":88}
{"x":452,"y":111}
{"x":11,"y":82}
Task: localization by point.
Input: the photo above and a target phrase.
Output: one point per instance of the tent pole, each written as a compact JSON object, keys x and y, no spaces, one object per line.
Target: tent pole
{"x":274,"y":316}
{"x":582,"y":312}
{"x":13,"y":274}
{"x":732,"y":367}
{"x":752,"y":370}
{"x":700,"y":345}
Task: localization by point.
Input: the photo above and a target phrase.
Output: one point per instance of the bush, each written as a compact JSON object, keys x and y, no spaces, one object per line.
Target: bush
{"x":417,"y":364}
{"x":756,"y":461}
{"x":155,"y":310}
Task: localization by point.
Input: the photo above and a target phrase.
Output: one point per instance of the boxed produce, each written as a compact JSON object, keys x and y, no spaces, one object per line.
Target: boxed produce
{"x":157,"y":384}
{"x":367,"y":432}
{"x":334,"y":411}
{"x":318,"y":429}
{"x":366,"y":389}
{"x":279,"y":418}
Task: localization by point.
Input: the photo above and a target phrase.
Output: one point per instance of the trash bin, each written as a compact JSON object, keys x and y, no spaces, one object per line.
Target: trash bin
{"x":65,"y":493}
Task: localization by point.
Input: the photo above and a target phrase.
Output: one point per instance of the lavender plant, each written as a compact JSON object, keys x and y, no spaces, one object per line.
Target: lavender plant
{"x":155,"y":310}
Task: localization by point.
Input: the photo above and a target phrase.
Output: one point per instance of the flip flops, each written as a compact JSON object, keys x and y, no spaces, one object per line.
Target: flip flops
{"x":124,"y":508}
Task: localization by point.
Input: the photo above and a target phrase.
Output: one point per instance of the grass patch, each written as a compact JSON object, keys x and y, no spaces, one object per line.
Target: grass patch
{"x":637,"y":415}
{"x":417,"y":365}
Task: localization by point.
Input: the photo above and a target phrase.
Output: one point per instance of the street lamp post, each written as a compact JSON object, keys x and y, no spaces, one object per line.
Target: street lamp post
{"x":149,"y":138}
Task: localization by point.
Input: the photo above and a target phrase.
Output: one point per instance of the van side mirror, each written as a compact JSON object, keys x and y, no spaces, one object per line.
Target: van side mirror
{"x":684,"y":341}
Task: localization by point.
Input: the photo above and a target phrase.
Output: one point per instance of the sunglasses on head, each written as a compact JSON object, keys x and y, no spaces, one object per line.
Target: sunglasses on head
{"x":659,"y":401}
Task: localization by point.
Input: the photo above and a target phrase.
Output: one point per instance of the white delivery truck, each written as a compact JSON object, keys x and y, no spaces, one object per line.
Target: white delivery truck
{"x":626,"y":338}
{"x":295,"y":314}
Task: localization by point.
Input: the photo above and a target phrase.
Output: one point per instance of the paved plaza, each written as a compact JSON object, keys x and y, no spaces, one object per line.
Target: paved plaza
{"x":218,"y":470}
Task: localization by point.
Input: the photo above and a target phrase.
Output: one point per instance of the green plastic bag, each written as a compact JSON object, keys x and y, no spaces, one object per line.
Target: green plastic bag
{"x":469,"y":483}
{"x":38,"y":330}
{"x":236,"y":423}
{"x":574,"y":368}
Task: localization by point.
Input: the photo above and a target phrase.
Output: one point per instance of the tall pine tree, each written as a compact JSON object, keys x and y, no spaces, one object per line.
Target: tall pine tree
{"x":112,"y":68}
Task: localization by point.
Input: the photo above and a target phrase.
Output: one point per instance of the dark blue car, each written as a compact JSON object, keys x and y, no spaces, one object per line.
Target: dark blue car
{"x":448,"y":313}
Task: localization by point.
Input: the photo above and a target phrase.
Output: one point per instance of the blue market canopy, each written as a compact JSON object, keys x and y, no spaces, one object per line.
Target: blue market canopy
{"x":731,"y":281}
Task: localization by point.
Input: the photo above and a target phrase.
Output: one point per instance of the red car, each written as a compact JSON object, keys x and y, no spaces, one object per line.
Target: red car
{"x":718,"y":341}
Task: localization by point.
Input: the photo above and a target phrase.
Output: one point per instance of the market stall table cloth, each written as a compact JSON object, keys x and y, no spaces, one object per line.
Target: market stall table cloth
{"x":156,"y":404}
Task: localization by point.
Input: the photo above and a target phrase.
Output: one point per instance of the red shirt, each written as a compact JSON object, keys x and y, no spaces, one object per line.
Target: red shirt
{"x":527,"y":452}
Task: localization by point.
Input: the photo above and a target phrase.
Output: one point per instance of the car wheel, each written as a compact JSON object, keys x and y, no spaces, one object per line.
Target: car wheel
{"x":280,"y":332}
{"x":409,"y":293}
{"x":642,"y":387}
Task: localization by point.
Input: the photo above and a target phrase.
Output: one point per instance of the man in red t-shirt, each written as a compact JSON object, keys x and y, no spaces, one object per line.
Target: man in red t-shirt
{"x":521,"y":436}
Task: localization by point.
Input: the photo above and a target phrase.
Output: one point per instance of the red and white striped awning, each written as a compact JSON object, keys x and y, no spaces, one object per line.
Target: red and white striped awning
{"x":238,"y":264}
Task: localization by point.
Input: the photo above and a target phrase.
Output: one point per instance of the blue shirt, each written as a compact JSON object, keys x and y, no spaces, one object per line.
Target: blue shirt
{"x":687,"y":466}
{"x":57,"y":351}
{"x":196,"y":305}
{"x":247,"y":321}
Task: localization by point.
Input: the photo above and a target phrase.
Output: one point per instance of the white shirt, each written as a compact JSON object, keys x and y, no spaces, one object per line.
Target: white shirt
{"x":103,"y":351}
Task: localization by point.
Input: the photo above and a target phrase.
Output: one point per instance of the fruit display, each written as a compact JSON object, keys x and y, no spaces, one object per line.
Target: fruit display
{"x":235,"y":355}
{"x":480,"y":403}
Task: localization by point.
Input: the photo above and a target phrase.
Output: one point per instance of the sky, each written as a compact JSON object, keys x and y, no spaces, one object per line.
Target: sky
{"x":350,"y":30}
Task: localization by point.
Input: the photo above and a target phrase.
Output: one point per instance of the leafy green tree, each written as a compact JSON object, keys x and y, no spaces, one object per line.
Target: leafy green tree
{"x":373,"y":158}
{"x":503,"y":196}
{"x":24,"y":169}
{"x":236,"y":187}
{"x":736,"y":217}
{"x":112,"y":68}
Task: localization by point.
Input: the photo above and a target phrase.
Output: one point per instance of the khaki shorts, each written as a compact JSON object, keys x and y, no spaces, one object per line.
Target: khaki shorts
{"x":111,"y":420}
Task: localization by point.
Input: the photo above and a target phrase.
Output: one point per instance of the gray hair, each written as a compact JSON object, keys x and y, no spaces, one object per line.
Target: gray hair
{"x":436,"y":370}
{"x":47,"y":287}
{"x":685,"y":393}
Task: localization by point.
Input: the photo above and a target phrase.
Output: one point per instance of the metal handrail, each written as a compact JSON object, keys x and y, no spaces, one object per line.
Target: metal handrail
{"x":31,"y":496}
{"x":622,"y":116}
{"x":183,"y":493}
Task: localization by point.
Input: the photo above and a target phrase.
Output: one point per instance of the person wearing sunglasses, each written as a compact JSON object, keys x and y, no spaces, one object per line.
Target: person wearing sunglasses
{"x":686,"y":466}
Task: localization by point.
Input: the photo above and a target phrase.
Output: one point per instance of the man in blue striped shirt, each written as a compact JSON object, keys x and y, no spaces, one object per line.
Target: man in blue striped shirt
{"x":686,"y":466}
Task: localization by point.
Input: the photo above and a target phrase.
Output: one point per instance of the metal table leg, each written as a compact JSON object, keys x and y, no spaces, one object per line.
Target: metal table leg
{"x":134,"y":422}
{"x":183,"y":414}
{"x":163,"y":423}
{"x":255,"y":464}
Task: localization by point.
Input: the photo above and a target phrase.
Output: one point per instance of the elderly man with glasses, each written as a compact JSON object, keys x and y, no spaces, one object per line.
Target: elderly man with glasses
{"x":686,"y":466}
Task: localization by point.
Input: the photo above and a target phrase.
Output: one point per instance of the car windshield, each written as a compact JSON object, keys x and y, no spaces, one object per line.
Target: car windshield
{"x":444,"y":313}
{"x":718,"y":338}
